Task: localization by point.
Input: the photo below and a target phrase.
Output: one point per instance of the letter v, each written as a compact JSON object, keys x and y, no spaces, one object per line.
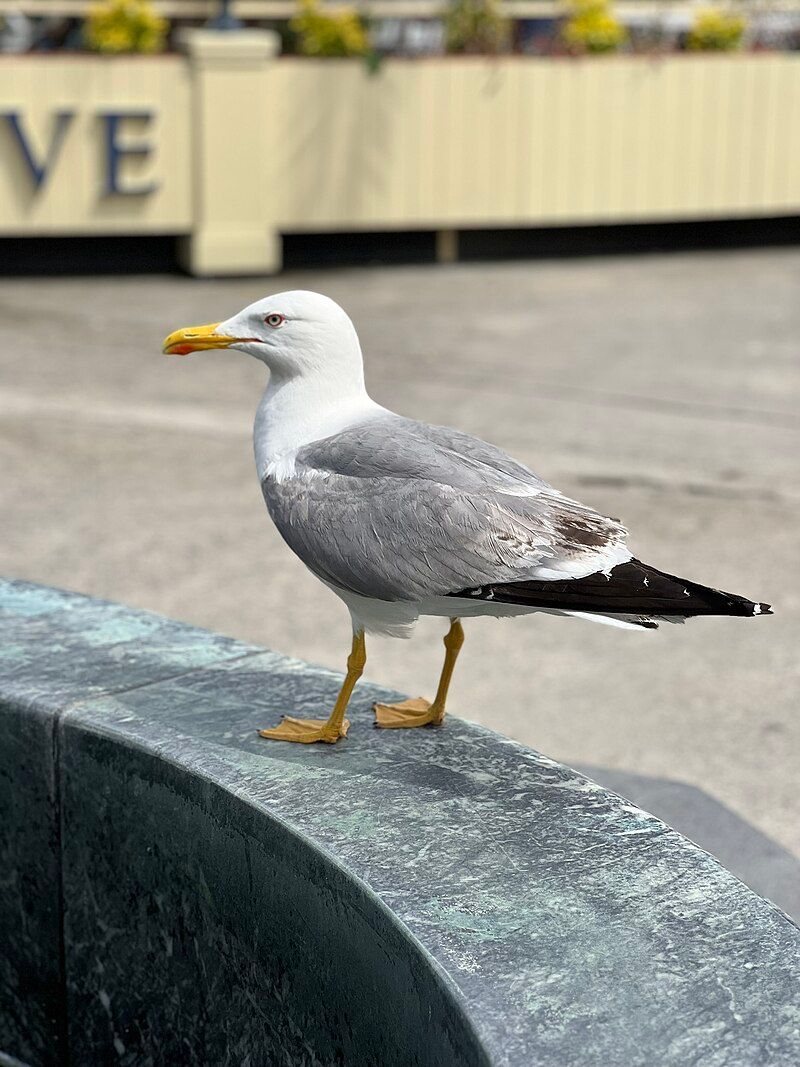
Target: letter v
{"x":39,"y":169}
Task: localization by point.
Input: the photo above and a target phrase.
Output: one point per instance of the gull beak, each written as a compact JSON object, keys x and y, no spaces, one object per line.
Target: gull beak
{"x":197,"y":339}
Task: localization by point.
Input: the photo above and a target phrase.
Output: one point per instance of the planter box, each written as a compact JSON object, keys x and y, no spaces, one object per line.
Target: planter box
{"x":231,"y":146}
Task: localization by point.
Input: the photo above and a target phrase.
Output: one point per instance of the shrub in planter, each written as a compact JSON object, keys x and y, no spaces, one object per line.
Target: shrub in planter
{"x":119,"y":26}
{"x":593,"y":27}
{"x":337,"y":32}
{"x":715,"y":31}
{"x":476,"y":27}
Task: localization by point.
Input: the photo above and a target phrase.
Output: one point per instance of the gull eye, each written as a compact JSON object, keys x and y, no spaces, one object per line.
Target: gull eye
{"x":275,"y":320}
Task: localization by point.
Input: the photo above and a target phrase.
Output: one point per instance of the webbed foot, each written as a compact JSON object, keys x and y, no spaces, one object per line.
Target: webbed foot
{"x":306,"y":731}
{"x":408,"y":714}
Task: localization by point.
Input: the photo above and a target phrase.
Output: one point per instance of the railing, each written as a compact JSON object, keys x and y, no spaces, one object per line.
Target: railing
{"x":177,"y":890}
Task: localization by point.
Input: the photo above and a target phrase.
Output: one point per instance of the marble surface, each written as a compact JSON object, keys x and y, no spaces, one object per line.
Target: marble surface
{"x":405,"y":897}
{"x":56,"y":649}
{"x":31,"y":1017}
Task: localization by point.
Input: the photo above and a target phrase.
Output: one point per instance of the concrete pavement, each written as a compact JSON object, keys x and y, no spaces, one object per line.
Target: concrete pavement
{"x":661,"y":389}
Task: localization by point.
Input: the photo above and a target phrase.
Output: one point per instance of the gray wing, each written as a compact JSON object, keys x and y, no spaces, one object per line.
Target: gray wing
{"x":399,"y":510}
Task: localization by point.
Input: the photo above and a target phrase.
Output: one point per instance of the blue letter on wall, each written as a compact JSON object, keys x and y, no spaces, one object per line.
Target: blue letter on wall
{"x":39,"y":169}
{"x":116,"y":153}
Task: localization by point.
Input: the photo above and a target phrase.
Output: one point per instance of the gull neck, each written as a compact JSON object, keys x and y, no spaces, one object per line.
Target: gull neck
{"x":296,"y":411}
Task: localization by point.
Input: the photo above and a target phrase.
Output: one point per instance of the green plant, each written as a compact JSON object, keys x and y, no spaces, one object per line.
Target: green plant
{"x":118,"y":26}
{"x":593,"y":27}
{"x":335,"y":32}
{"x":476,"y":27}
{"x":714,"y":30}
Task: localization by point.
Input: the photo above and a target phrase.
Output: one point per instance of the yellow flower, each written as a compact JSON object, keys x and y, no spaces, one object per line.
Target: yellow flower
{"x":593,"y":27}
{"x":334,"y":32}
{"x":117,"y":26}
{"x":714,"y":30}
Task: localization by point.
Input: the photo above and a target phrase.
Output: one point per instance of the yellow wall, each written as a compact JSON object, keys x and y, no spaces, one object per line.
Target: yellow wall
{"x":472,"y":141}
{"x":247,"y":145}
{"x":72,"y":199}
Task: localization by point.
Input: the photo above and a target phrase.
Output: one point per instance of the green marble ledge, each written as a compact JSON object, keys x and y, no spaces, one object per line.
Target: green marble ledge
{"x":177,"y":890}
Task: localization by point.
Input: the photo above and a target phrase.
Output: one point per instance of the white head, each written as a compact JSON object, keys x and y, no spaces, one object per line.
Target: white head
{"x":297,"y":334}
{"x":316,"y":384}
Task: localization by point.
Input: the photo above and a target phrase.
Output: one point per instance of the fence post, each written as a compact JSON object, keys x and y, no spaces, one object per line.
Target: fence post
{"x":231,"y":232}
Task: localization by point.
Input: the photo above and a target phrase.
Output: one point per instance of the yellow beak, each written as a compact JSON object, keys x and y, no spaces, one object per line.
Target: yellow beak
{"x":197,"y":339}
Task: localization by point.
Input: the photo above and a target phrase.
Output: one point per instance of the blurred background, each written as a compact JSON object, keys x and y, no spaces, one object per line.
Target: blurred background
{"x":573,"y":230}
{"x":379,"y":28}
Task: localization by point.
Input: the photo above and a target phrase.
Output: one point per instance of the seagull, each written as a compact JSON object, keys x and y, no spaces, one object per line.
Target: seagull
{"x":401,"y":518}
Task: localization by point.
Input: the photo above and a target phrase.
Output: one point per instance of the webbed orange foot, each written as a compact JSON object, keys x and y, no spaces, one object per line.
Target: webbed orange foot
{"x":306,"y":731}
{"x":408,"y":714}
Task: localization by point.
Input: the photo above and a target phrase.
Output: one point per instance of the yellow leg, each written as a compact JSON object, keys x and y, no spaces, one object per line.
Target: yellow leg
{"x":420,"y":712}
{"x":306,"y":731}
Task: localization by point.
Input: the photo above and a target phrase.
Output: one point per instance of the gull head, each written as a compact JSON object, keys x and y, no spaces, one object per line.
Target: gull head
{"x":297,"y":333}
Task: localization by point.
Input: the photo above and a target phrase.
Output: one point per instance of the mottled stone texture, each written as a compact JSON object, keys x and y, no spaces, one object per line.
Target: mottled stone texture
{"x":406,"y":897}
{"x":31,"y":1020}
{"x":56,"y":649}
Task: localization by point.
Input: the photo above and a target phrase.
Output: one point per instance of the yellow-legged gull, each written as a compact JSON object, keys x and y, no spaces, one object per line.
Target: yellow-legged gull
{"x":401,"y":519}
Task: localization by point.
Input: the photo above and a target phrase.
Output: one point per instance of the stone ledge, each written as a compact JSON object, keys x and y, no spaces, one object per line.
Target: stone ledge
{"x":423,"y":897}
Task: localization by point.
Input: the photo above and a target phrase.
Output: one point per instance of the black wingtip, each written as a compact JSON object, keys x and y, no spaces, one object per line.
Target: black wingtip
{"x":629,"y":589}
